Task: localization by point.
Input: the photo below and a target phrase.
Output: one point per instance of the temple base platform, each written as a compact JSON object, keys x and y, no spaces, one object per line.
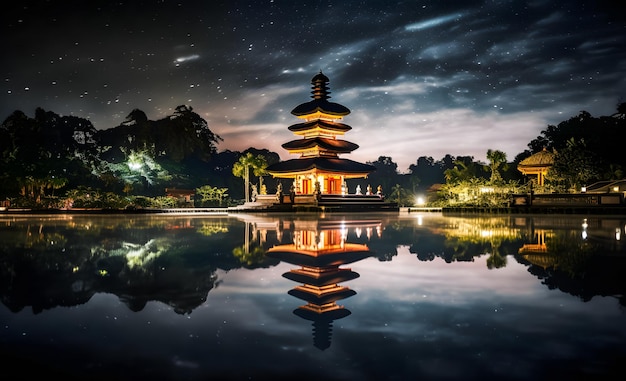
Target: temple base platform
{"x":320,"y":203}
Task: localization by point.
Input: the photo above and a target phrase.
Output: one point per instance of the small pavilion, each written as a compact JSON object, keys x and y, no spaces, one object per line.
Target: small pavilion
{"x":319,"y":170}
{"x":538,"y":165}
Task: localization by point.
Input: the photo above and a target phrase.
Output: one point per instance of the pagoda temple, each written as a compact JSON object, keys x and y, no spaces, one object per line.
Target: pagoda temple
{"x":319,"y":170}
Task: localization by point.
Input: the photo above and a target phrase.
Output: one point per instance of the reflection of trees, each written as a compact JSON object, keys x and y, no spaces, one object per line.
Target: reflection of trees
{"x":43,"y":275}
{"x":563,"y":260}
{"x":382,"y":249}
{"x":461,"y":249}
{"x":466,"y":238}
{"x":562,"y":251}
{"x":36,"y":238}
{"x":496,"y":260}
{"x":249,"y":256}
{"x":164,"y":278}
{"x":64,"y":261}
{"x":46,"y":278}
{"x":209,"y":228}
{"x":56,"y":261}
{"x":570,"y":254}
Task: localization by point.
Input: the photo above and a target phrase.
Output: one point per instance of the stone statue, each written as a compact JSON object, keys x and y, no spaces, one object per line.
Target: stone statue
{"x":254,"y":193}
{"x":279,"y":193}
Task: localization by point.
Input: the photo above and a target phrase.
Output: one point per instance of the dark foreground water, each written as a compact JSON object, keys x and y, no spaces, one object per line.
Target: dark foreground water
{"x":341,"y":297}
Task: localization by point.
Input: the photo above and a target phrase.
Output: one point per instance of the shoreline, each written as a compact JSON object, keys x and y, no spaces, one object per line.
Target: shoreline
{"x":561,"y":210}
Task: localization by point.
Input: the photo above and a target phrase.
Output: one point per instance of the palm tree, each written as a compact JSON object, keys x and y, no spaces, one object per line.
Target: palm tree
{"x":397,"y":193}
{"x":57,"y":183}
{"x":496,"y":159}
{"x":259,"y":169}
{"x":242,"y":169}
{"x":460,"y":172}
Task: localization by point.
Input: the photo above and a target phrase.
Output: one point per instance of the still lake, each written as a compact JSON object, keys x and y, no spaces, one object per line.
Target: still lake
{"x":337,"y":297}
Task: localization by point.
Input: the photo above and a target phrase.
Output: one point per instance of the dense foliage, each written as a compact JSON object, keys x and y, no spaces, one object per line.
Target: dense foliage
{"x":48,"y":156}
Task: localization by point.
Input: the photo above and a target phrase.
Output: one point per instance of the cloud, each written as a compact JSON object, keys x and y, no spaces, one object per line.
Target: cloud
{"x":459,"y":132}
{"x":406,"y":70}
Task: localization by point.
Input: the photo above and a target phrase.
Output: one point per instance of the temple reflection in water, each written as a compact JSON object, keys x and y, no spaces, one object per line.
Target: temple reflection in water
{"x":320,"y":248}
{"x":223,"y":297}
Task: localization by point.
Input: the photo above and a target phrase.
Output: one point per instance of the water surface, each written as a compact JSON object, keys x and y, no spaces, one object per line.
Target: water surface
{"x":336,"y":297}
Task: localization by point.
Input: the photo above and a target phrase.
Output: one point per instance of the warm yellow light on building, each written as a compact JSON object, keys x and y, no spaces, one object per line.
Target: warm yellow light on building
{"x":320,"y":181}
{"x":322,"y":240}
{"x":320,"y":115}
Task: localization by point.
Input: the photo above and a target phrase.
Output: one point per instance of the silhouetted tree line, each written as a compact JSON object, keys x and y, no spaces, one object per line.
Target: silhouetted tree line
{"x":48,"y":152}
{"x":587,"y":149}
{"x":51,"y":153}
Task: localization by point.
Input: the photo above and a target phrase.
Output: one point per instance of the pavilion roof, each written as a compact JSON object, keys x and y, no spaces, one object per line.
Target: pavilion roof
{"x":543,"y":158}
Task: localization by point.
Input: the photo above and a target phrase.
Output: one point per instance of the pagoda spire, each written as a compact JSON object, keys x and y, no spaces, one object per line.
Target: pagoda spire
{"x":320,"y":107}
{"x":320,"y":87}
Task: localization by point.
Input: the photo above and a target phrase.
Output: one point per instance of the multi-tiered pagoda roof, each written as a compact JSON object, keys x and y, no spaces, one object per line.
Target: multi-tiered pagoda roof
{"x":319,"y":146}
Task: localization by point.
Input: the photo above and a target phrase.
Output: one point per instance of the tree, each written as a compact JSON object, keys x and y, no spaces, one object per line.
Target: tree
{"x":45,"y":150}
{"x":621,"y":111}
{"x":446,"y":162}
{"x":399,"y":195}
{"x":601,"y":136}
{"x":185,"y":134}
{"x":386,"y":173}
{"x":208,"y":194}
{"x":464,"y":169}
{"x":424,"y":172}
{"x":259,"y":169}
{"x":496,"y":159}
{"x":574,"y":166}
{"x":56,"y":183}
{"x":241,"y":168}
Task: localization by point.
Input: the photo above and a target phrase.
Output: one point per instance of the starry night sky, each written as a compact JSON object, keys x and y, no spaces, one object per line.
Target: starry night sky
{"x":422,"y":78}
